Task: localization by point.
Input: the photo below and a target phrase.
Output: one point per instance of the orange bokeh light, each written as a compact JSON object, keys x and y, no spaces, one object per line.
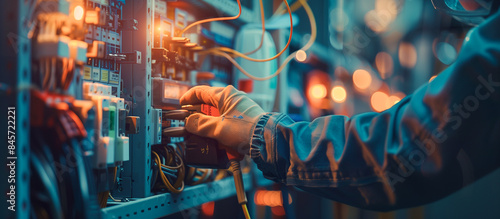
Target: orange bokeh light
{"x":379,"y":101}
{"x":339,"y":94}
{"x":270,"y":198}
{"x":362,"y":79}
{"x":208,"y":208}
{"x":384,"y":64}
{"x":407,"y":55}
{"x":317,"y":91}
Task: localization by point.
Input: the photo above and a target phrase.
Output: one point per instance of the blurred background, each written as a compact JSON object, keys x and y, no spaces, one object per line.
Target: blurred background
{"x":368,"y":55}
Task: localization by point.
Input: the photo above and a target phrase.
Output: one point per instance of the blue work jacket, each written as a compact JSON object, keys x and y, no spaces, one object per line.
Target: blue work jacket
{"x":420,"y":150}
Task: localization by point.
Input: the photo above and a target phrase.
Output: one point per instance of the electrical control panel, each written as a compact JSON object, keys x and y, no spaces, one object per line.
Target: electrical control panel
{"x":104,"y":34}
{"x":104,"y":76}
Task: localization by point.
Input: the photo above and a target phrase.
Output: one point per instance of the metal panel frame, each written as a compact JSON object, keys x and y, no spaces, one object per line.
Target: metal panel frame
{"x":137,"y":92}
{"x":165,"y":204}
{"x":15,"y":79}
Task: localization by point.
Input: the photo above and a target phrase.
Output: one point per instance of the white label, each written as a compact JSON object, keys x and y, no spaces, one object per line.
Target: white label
{"x":96,"y":74}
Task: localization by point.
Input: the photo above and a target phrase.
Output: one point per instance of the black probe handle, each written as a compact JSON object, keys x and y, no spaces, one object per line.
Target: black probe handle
{"x":176,"y":114}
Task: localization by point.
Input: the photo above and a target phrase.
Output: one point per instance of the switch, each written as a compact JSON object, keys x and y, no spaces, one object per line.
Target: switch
{"x":132,"y":124}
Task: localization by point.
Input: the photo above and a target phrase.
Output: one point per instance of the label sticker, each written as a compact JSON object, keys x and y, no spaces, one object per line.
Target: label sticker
{"x":114,"y":78}
{"x":104,"y":75}
{"x":87,"y":75}
{"x":96,"y":74}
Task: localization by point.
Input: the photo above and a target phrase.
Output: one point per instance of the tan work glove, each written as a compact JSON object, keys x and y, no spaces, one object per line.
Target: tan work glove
{"x":234,"y":127}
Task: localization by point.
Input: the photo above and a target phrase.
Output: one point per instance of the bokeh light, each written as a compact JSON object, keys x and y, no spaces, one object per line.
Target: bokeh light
{"x":339,"y":94}
{"x":208,"y":208}
{"x":407,"y":55}
{"x":362,"y":79}
{"x":379,"y":101}
{"x":78,"y":12}
{"x":317,"y":91}
{"x":301,"y":55}
{"x":270,"y":198}
{"x":384,"y":64}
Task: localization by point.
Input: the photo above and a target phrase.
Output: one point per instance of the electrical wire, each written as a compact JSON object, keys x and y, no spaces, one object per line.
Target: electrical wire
{"x":289,"y":58}
{"x":245,"y":211}
{"x":45,"y":180}
{"x":180,"y":170}
{"x":239,"y":54}
{"x":112,"y":198}
{"x":263,"y":19}
{"x":212,"y":19}
{"x":281,"y":9}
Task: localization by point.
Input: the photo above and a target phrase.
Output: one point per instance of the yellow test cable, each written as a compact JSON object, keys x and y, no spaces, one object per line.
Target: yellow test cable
{"x":212,"y":19}
{"x":289,"y":58}
{"x":245,"y":211}
{"x":215,"y":51}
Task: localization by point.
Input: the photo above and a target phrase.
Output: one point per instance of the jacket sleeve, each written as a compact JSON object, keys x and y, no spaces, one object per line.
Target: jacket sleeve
{"x":429,"y":145}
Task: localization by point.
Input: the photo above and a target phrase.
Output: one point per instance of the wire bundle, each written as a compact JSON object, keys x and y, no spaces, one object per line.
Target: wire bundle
{"x":168,"y":168}
{"x":229,"y":53}
{"x":60,"y":179}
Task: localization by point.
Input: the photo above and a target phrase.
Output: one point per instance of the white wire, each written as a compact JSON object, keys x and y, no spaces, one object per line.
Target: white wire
{"x":308,"y":45}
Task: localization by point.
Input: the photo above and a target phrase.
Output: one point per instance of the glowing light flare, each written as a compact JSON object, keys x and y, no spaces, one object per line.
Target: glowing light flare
{"x":432,"y":78}
{"x":78,"y":12}
{"x":384,"y":64}
{"x":387,"y":6}
{"x":301,"y":56}
{"x":339,"y":94}
{"x":362,"y":79}
{"x":208,"y":208}
{"x":270,"y":198}
{"x":317,"y":91}
{"x":379,"y":101}
{"x":407,"y":55}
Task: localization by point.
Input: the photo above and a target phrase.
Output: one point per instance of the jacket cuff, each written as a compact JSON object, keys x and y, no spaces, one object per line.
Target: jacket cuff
{"x":263,"y":147}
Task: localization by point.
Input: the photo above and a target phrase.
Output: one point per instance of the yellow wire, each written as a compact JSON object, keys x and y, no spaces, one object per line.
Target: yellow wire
{"x":239,"y":54}
{"x":245,"y":211}
{"x":211,"y":20}
{"x":164,"y":178}
{"x":281,"y":9}
{"x":289,"y":58}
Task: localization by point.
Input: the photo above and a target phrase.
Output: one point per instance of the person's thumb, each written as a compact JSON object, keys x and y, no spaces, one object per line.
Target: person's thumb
{"x":203,"y":125}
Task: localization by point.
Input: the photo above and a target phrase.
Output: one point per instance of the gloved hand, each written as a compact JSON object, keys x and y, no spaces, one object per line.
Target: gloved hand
{"x":234,"y":127}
